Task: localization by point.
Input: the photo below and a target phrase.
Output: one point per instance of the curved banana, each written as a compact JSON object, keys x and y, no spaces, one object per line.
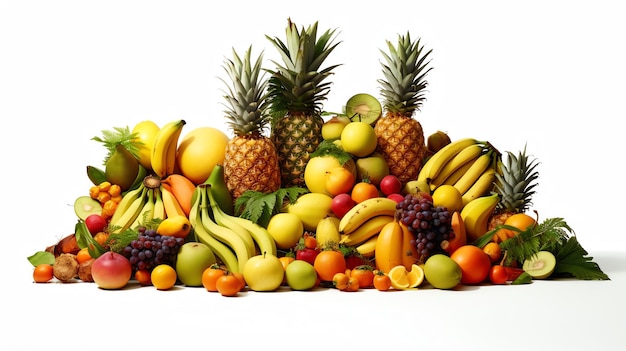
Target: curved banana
{"x":388,"y":251}
{"x":223,"y":234}
{"x":467,"y":155}
{"x":474,"y":172}
{"x":368,"y":248}
{"x":159,"y":206}
{"x":127,"y":217}
{"x":436,"y":162}
{"x":172,"y":207}
{"x":163,"y":158}
{"x":365,"y":231}
{"x":475,"y":215}
{"x":146,"y":214}
{"x":456,"y":175}
{"x":327,"y":233}
{"x":126,"y":202}
{"x":410,"y":256}
{"x":223,"y":252}
{"x":365,"y":210}
{"x":483,"y":185}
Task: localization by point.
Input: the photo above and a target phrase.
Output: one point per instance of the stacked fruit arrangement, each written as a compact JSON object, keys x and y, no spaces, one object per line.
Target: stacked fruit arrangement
{"x":361,"y":200}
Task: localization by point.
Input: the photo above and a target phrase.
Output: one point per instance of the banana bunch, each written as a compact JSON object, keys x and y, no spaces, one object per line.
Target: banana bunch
{"x":467,"y":164}
{"x":138,"y":206}
{"x":163,"y":158}
{"x":234,"y":240}
{"x":475,"y":215}
{"x":360,"y":226}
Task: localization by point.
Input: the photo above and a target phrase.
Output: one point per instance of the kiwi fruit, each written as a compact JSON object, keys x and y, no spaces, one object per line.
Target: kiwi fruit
{"x":364,"y":108}
{"x":541,"y":265}
{"x":84,"y":206}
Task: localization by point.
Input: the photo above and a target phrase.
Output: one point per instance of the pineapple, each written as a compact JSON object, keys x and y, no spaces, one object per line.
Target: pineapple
{"x":400,"y":136}
{"x":514,"y":183}
{"x":296,"y":90}
{"x":250,"y":160}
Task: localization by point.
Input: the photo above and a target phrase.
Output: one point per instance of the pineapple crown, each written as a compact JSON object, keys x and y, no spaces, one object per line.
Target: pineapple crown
{"x":246,"y":102}
{"x":516,"y":182}
{"x":404,"y":76}
{"x":298,"y":85}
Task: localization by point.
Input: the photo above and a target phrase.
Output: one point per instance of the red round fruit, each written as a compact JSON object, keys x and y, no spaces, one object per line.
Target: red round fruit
{"x":341,"y":204}
{"x":390,"y":184}
{"x":111,"y":270}
{"x":498,"y":274}
{"x":396,"y":197}
{"x":95,"y":223}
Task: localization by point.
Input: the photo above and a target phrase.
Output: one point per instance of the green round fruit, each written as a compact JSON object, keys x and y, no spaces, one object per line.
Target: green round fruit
{"x":442,"y":272}
{"x":300,"y":275}
{"x":363,"y":108}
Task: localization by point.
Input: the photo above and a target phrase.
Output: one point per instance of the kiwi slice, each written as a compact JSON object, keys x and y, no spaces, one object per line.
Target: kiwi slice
{"x":364,"y":108}
{"x":85,"y":206}
{"x":541,"y":265}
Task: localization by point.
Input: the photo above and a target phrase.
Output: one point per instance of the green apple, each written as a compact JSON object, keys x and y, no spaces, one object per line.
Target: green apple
{"x":286,"y":229}
{"x":263,"y":272}
{"x":442,"y":272}
{"x":192,"y":259}
{"x":373,"y":167}
{"x":359,"y":139}
{"x":300,"y":275}
{"x":332,"y":128}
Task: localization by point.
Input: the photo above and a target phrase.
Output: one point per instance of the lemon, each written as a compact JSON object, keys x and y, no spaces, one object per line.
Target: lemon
{"x":399,"y":277}
{"x":449,"y":197}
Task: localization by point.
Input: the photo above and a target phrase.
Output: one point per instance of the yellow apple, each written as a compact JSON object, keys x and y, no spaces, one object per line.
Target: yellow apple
{"x":359,"y":139}
{"x":318,"y":167}
{"x":286,"y":229}
{"x":332,"y":128}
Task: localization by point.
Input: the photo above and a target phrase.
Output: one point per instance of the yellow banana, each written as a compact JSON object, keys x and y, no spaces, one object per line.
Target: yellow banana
{"x":126,"y":202}
{"x":223,"y":234}
{"x":365,"y":210}
{"x":163,"y":158}
{"x":454,"y":177}
{"x":128,"y":217}
{"x":483,"y":185}
{"x":147,"y":212}
{"x":476,"y":213}
{"x":388,"y":251}
{"x":159,"y":207}
{"x":172,"y":207}
{"x":469,"y":154}
{"x":365,"y":231}
{"x":327,"y":233}
{"x":436,"y":162}
{"x":474,"y":172}
{"x":261,"y":238}
{"x":368,"y":248}
{"x":223,"y":252}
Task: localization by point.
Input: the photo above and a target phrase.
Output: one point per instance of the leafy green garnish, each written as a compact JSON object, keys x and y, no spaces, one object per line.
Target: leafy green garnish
{"x":119,"y":135}
{"x":260,"y":207}
{"x":40,"y":257}
{"x":523,"y":278}
{"x":84,"y":239}
{"x":329,"y":148}
{"x":572,"y":261}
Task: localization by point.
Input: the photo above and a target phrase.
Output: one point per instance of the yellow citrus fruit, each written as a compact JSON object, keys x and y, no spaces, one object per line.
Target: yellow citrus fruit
{"x":145,"y":133}
{"x":448,"y":196}
{"x":163,"y":277}
{"x":399,"y":277}
{"x":415,"y":276}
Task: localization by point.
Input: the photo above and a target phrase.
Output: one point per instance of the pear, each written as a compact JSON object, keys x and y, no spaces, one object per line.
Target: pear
{"x":219,"y":189}
{"x":121,"y":168}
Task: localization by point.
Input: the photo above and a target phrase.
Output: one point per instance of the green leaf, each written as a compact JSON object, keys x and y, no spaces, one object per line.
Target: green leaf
{"x":40,"y":257}
{"x":523,"y":278}
{"x":260,"y":207}
{"x":547,"y":235}
{"x":329,"y":148}
{"x":119,"y":135}
{"x":572,"y":260}
{"x":84,"y":239}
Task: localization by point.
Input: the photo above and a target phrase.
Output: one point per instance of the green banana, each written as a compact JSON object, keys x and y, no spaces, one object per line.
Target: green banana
{"x":126,"y":202}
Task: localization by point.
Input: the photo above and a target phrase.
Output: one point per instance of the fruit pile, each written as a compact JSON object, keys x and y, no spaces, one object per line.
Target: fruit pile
{"x":359,"y":200}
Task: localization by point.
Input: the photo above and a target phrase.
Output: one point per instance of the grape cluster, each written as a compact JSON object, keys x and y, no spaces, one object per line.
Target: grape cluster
{"x":429,"y":223}
{"x":151,"y":249}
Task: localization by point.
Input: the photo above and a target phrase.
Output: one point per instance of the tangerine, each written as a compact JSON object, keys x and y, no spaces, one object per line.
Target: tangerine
{"x":474,"y":263}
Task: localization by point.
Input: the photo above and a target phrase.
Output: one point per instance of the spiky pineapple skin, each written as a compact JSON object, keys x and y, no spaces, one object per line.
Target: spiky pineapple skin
{"x":251,"y":163}
{"x":296,"y":136}
{"x":401,"y":142}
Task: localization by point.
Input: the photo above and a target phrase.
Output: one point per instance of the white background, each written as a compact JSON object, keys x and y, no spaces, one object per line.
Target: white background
{"x":549,"y":75}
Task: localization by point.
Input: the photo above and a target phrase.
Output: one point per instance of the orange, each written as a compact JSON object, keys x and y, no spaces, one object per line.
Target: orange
{"x":329,"y":262}
{"x":83,"y":255}
{"x":494,"y":251}
{"x":142,"y":276}
{"x":163,"y":277}
{"x":364,"y":190}
{"x":474,"y":263}
{"x":520,"y":221}
{"x":210,"y":277}
{"x":43,"y":273}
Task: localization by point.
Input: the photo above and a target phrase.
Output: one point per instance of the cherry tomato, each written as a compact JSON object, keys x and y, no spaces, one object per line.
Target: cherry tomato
{"x":309,"y":241}
{"x":364,"y":274}
{"x":228,"y":285}
{"x":353,"y":260}
{"x":381,"y":281}
{"x":498,"y":274}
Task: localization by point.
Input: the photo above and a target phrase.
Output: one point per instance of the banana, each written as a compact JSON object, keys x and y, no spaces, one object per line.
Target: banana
{"x":467,"y":155}
{"x":454,"y":177}
{"x":159,"y":206}
{"x":327,"y":233}
{"x":172,"y":207}
{"x":436,"y":162}
{"x":368,"y":248}
{"x":126,"y":202}
{"x":128,"y":216}
{"x":474,"y":172}
{"x":365,"y":210}
{"x":146,"y":214}
{"x":223,"y":234}
{"x":223,"y":252}
{"x":483,"y":185}
{"x":388,"y":251}
{"x":163,"y":158}
{"x":475,"y":215}
{"x":365,"y":231}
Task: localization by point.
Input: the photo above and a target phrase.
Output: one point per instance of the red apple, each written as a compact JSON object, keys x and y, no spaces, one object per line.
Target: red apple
{"x":95,"y":223}
{"x":390,"y":184}
{"x":341,"y":204}
{"x":111,"y":271}
{"x":396,"y":197}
